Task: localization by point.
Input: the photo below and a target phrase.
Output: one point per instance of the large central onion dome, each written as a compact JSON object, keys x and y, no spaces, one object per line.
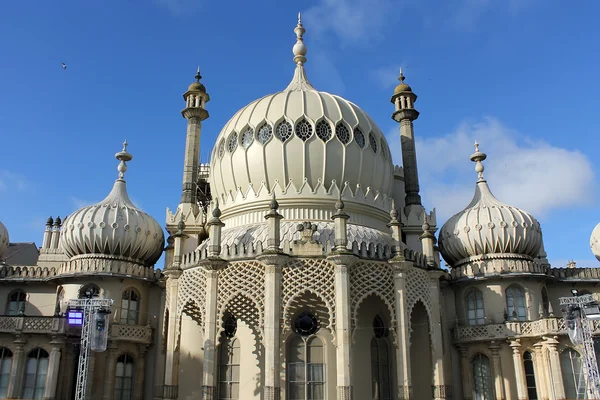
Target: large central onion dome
{"x":113,"y":228}
{"x":489,"y":229}
{"x":4,"y":240}
{"x":301,"y":143}
{"x":594,"y":242}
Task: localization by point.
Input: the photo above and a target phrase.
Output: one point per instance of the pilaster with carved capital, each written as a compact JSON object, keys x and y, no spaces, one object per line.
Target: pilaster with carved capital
{"x":551,"y":343}
{"x":53,"y":369}
{"x":402,"y":327}
{"x":497,"y":370}
{"x":140,"y":367}
{"x":15,"y":384}
{"x":519,"y":371}
{"x":465,"y":369}
{"x":209,"y":379}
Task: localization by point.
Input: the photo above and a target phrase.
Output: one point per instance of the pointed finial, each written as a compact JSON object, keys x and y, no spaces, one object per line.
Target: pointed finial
{"x":299,"y":48}
{"x":123,"y":156}
{"x":426,"y":225}
{"x":339,"y":204}
{"x":274,"y":205}
{"x":216,"y":212}
{"x":394,"y":212}
{"x":401,"y":76}
{"x":198,"y":76}
{"x":50,"y":221}
{"x":478,"y":157}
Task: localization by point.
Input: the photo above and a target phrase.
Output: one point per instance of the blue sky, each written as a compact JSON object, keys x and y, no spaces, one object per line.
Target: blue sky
{"x":520,"y":76}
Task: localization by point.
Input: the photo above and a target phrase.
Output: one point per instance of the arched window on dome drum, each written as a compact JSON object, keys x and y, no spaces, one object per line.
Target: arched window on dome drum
{"x":380,"y":363}
{"x":89,"y":290}
{"x":475,"y":310}
{"x":247,"y":137}
{"x":283,"y":131}
{"x":222,"y":148}
{"x":343,"y":133}
{"x":515,"y":303}
{"x":529,"y":375}
{"x":5,"y":367}
{"x":323,"y":130}
{"x":304,"y":130}
{"x":482,"y":378}
{"x":359,"y":137}
{"x":130,"y":302}
{"x":265,"y":133}
{"x":16,"y":302}
{"x":373,"y":143}
{"x":545,"y":302}
{"x":232,"y":142}
{"x":572,"y":374}
{"x":124,"y":377}
{"x":36,"y":370}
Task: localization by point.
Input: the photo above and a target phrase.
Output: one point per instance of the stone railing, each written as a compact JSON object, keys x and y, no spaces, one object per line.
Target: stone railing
{"x":32,"y":325}
{"x":131,"y":333}
{"x":166,"y":392}
{"x":514,"y":329}
{"x":575,"y":273}
{"x":29,"y":273}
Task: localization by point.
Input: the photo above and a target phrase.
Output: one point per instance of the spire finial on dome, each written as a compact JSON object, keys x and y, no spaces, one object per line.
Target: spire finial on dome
{"x":123,"y":156}
{"x":401,"y":76}
{"x":198,"y":76}
{"x":299,"y":48}
{"x":478,"y":157}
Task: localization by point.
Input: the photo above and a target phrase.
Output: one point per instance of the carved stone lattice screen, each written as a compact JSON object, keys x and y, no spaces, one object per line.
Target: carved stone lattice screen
{"x":192,"y":294}
{"x":312,"y":277}
{"x":417,"y":289}
{"x":368,"y":279}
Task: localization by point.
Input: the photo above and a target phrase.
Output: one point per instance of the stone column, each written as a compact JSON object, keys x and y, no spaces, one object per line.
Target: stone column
{"x":519,"y":370}
{"x":437,"y":354}
{"x":140,"y":368}
{"x":540,"y":365}
{"x":109,"y":377}
{"x":402,"y":328}
{"x":53,"y":370}
{"x":343,"y":338}
{"x":172,"y":353}
{"x":209,"y":379}
{"x":556,"y":370}
{"x":15,"y":385}
{"x":498,"y":376}
{"x":467,"y":374}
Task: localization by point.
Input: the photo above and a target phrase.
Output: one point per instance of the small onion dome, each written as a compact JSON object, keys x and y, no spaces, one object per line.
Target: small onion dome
{"x":4,"y":239}
{"x":113,"y":228}
{"x":488,"y":228}
{"x":402,"y":87}
{"x":197,"y":86}
{"x":594,"y":241}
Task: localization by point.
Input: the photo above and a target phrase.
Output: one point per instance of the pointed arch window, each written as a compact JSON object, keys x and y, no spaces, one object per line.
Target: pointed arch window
{"x":380,"y":362}
{"x":545,"y":302}
{"x":16,"y":302}
{"x":5,"y":367}
{"x":475,"y":311}
{"x":60,"y":297}
{"x":229,"y":369}
{"x":529,"y":375}
{"x":129,"y":307}
{"x":515,"y":303}
{"x":572,"y":373}
{"x":124,"y":377}
{"x":482,"y":378}
{"x":36,"y":370}
{"x":89,"y":290}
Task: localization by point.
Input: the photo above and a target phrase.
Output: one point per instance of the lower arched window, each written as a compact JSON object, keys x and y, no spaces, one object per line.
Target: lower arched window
{"x":124,"y":378}
{"x":380,"y":362}
{"x":529,"y":375}
{"x":572,"y":373}
{"x":482,"y":378}
{"x":129,"y":307}
{"x":16,"y":302}
{"x":306,"y":369}
{"x":35,"y":374}
{"x":229,"y":369}
{"x":5,"y":366}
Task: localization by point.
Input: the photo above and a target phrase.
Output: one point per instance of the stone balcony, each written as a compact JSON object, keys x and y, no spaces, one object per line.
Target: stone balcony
{"x":20,"y":325}
{"x":513,"y":329}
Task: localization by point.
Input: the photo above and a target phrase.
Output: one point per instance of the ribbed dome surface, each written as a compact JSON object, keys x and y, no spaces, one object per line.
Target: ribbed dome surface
{"x":595,"y":241}
{"x":487,"y":227}
{"x":4,"y":239}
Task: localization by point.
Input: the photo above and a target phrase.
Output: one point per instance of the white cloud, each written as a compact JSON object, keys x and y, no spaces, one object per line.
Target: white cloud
{"x":386,"y":77}
{"x":9,"y":181}
{"x":353,"y":21}
{"x":532,"y":175}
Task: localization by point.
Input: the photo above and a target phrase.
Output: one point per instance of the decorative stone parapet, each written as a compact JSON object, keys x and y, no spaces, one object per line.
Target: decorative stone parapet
{"x":514,"y":329}
{"x":32,"y":325}
{"x":575,"y":273}
{"x":105,"y":265}
{"x":498,"y":264}
{"x":166,"y":392}
{"x":26,"y":272}
{"x":131,"y":333}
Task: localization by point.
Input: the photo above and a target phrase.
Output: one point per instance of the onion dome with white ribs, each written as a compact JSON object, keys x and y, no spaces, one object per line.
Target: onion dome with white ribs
{"x":489,"y":229}
{"x":4,"y":239}
{"x":300,"y":141}
{"x":594,"y":241}
{"x":114,"y":228}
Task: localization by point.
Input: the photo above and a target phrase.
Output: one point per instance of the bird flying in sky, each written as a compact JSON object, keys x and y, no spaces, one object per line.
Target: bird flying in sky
{"x":64,"y":66}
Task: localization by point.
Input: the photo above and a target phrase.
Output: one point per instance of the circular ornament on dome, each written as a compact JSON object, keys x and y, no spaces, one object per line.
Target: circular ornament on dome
{"x":265,"y":133}
{"x":503,"y":224}
{"x":115,"y":225}
{"x":373,"y":143}
{"x":306,"y":324}
{"x":359,"y":137}
{"x":342,"y":133}
{"x":102,"y":224}
{"x":247,"y":137}
{"x":304,"y":130}
{"x":232,"y":142}
{"x":323,"y":130}
{"x":283,"y":131}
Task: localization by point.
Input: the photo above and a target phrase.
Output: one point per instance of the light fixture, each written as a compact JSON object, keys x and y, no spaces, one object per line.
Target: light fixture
{"x":574,"y":292}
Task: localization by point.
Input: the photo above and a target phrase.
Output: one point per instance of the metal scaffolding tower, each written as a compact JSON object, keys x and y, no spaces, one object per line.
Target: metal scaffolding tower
{"x":89,"y":306}
{"x":580,"y":313}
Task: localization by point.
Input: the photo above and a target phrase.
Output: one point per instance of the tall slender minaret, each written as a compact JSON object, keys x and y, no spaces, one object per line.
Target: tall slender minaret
{"x":405,"y":113}
{"x":195,"y":112}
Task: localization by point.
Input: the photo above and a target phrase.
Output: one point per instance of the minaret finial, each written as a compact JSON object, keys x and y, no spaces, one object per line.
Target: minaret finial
{"x":123,"y":156}
{"x":299,"y":48}
{"x":198,"y":76}
{"x":478,"y":157}
{"x":401,"y":76}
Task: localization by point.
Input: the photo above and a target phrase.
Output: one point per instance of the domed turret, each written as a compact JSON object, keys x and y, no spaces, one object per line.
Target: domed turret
{"x":487,"y":228}
{"x":594,"y":241}
{"x":114,"y":228}
{"x":4,"y":239}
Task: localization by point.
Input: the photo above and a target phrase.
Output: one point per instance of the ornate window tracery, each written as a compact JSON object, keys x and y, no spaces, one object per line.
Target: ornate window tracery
{"x":229,"y":361}
{"x":475,"y":310}
{"x":373,"y":143}
{"x":247,"y":137}
{"x":129,"y":307}
{"x":342,"y":133}
{"x":482,"y":378}
{"x":35,"y":374}
{"x":5,"y":367}
{"x":232,"y":142}
{"x":222,"y":148}
{"x":304,"y":130}
{"x":283,"y":131}
{"x":265,"y":133}
{"x":380,"y":363}
{"x":16,"y":302}
{"x":305,"y":368}
{"x":515,"y":303}
{"x":359,"y":137}
{"x":124,"y":377}
{"x":323,"y":130}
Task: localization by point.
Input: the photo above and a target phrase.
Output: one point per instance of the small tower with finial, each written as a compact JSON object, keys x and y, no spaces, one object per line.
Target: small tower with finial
{"x":48,"y":233}
{"x":274,"y":226}
{"x":195,"y":112}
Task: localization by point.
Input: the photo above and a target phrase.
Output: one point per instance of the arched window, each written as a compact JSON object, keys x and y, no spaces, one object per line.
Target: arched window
{"x":16,"y":302}
{"x":572,"y":373}
{"x":545,"y":302}
{"x":124,"y":377}
{"x":229,"y":361}
{"x":129,"y":307}
{"x":5,"y":366}
{"x":529,"y":375}
{"x":515,"y":303}
{"x":35,"y":374}
{"x":89,"y":290}
{"x":380,"y":363}
{"x":305,"y":361}
{"x":60,"y":297}
{"x":482,"y":378}
{"x":475,"y":313}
